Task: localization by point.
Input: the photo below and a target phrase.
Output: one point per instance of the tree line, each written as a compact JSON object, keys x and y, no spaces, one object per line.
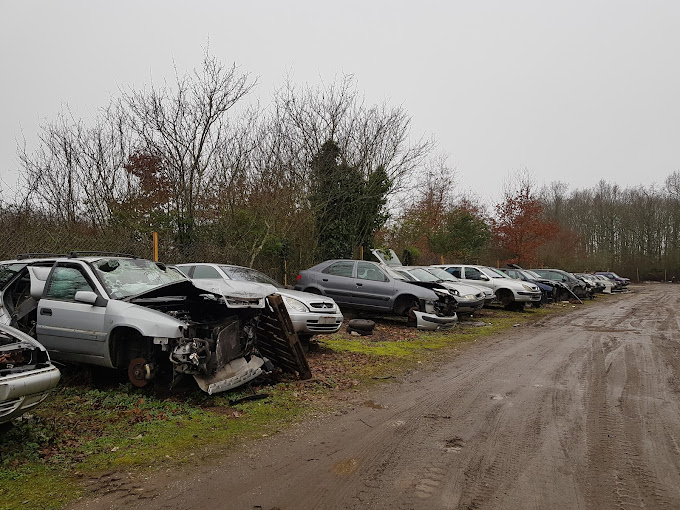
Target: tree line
{"x":317,"y":173}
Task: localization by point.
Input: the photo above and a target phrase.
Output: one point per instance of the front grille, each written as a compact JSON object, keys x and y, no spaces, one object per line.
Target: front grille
{"x":314,"y":325}
{"x":322,"y":305}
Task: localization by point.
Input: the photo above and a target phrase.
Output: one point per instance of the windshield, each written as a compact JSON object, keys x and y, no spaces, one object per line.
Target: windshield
{"x":442,"y":274}
{"x":493,"y":273}
{"x":423,"y":275}
{"x":531,"y":274}
{"x":405,"y":275}
{"x":246,"y":274}
{"x":129,"y":277}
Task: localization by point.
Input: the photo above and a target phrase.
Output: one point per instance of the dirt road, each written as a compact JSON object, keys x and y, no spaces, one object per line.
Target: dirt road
{"x":580,"y":411}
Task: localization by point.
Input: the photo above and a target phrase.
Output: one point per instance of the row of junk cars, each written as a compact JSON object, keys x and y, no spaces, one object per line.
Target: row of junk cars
{"x":225,"y":325}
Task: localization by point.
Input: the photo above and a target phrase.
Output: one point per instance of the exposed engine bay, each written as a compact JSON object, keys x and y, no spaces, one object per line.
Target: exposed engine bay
{"x":220,"y":352}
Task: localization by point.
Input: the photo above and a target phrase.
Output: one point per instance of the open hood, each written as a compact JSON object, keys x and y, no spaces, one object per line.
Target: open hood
{"x":389,"y":259}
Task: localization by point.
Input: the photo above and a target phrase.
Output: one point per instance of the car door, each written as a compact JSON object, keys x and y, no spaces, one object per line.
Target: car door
{"x":373,"y":289}
{"x":70,"y":329}
{"x":477,"y":277}
{"x":337,"y":281}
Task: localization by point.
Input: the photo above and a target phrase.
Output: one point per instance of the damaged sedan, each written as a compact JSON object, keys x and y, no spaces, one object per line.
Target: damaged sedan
{"x":372,"y":287}
{"x":134,"y":314}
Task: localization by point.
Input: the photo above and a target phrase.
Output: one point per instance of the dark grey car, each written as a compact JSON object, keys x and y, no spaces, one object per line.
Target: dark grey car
{"x":368,"y":286}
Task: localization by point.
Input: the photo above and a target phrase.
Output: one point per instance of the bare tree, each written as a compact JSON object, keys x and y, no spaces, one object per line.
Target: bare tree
{"x":187,"y":126}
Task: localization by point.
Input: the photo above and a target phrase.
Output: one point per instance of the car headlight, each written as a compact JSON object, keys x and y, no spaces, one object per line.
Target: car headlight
{"x":442,"y":292}
{"x":470,"y":296}
{"x":295,"y":304}
{"x":530,"y":288}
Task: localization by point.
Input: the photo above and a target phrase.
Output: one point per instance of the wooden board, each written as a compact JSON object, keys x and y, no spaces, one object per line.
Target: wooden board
{"x":277,"y":340}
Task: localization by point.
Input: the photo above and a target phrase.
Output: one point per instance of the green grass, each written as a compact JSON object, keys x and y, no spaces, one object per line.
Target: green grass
{"x":82,"y":432}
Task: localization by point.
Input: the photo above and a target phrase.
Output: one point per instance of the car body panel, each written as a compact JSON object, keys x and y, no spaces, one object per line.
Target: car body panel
{"x":26,"y":373}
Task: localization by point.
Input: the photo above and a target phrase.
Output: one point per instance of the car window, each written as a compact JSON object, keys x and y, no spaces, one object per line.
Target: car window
{"x":406,"y":276}
{"x":455,"y":271}
{"x":367,"y":271}
{"x":494,"y":273}
{"x":424,"y":276}
{"x":472,"y":273}
{"x":442,"y":274}
{"x":124,"y":277}
{"x":65,"y":282}
{"x":201,"y":272}
{"x":186,"y":270}
{"x":341,"y":268}
{"x":246,"y":274}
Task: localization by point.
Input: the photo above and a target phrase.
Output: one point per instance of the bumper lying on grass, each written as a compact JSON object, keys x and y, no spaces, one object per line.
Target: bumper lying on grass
{"x":432,"y":322}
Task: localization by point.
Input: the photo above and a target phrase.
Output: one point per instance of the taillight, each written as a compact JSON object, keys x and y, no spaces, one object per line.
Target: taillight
{"x":299,"y":276}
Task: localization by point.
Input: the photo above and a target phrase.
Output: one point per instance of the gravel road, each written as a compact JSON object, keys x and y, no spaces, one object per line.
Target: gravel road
{"x":578,"y":411}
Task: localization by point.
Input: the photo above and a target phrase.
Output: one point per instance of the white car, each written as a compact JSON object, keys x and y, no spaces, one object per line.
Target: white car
{"x":26,"y":373}
{"x":510,"y":293}
{"x":309,"y":313}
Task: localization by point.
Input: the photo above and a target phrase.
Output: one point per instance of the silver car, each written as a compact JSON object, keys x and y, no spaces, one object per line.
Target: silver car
{"x":372,"y":287}
{"x":134,"y":314}
{"x":26,"y":373}
{"x":309,"y":313}
{"x":510,"y":293}
{"x":469,"y":299}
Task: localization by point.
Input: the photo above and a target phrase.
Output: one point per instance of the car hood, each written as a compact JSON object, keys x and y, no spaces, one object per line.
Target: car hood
{"x":305,"y":297}
{"x":248,"y":291}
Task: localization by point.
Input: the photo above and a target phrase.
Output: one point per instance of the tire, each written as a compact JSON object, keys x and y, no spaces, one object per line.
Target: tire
{"x":361,"y":326}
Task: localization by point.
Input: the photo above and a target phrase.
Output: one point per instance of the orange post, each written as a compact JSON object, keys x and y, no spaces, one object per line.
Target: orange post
{"x":155,"y":246}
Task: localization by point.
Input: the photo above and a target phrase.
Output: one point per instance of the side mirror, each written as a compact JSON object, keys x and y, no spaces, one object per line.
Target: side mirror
{"x":86,"y":296}
{"x":484,"y":277}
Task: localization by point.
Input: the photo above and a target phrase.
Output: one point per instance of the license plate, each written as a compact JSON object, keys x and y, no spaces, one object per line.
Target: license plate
{"x":326,"y":320}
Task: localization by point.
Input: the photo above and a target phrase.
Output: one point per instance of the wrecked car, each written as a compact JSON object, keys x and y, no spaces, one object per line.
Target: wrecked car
{"x":510,"y":293}
{"x":577,"y":287}
{"x":621,"y":280}
{"x":26,"y":373}
{"x":368,"y":286}
{"x":469,"y":299}
{"x":133,"y":314}
{"x":310,"y":313}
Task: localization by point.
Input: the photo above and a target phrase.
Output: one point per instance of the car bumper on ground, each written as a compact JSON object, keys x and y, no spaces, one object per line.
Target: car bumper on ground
{"x":432,"y":322}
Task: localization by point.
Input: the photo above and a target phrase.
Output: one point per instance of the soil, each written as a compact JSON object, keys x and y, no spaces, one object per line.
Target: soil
{"x":578,"y":411}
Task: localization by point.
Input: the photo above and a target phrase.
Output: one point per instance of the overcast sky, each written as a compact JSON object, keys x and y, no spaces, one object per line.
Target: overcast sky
{"x":575,"y":91}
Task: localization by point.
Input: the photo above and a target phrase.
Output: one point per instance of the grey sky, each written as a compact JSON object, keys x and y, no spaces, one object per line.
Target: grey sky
{"x":574,"y":91}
